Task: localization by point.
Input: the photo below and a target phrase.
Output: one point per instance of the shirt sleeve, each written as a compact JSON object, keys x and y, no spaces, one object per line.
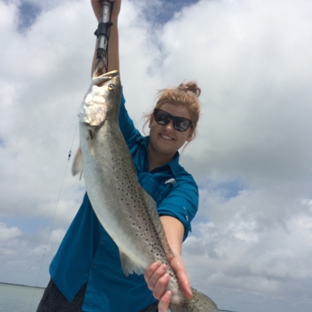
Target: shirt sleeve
{"x":128,"y":130}
{"x":181,"y":203}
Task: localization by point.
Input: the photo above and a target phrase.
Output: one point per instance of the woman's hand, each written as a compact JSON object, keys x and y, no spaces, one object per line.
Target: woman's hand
{"x":97,"y":8}
{"x":156,"y":275}
{"x":157,"y":279}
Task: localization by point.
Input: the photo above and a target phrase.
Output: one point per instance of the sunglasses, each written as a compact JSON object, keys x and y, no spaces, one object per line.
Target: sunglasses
{"x":179,"y":123}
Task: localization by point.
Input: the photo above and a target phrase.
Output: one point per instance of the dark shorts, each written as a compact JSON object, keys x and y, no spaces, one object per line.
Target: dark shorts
{"x":54,"y":301}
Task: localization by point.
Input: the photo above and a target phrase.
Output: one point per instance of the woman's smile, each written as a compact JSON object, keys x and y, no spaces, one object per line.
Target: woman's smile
{"x":166,"y":137}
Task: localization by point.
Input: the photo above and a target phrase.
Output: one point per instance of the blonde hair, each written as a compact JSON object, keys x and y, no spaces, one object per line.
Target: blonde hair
{"x":186,"y":94}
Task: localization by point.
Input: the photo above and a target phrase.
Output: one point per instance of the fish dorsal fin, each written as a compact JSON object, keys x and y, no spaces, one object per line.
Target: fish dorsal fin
{"x":77,"y":166}
{"x":128,"y":266}
{"x":153,"y":213}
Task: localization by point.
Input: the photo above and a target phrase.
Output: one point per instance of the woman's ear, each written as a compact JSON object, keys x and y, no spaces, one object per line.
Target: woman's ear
{"x":190,"y":136}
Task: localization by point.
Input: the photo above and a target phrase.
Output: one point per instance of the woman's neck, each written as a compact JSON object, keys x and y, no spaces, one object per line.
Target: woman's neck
{"x":157,"y":159}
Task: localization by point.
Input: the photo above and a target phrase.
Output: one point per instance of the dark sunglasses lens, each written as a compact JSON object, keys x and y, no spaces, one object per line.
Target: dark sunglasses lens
{"x":162,"y":117}
{"x":181,"y":124}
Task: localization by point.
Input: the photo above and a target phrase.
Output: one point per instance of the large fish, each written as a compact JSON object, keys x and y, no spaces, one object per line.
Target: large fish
{"x":122,"y":206}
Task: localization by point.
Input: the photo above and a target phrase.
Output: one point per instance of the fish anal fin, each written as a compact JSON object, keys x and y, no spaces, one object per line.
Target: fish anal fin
{"x":128,"y":266}
{"x":77,"y":166}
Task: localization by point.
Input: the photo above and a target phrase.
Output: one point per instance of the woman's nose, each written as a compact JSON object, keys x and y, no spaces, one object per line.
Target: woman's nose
{"x":169,"y":125}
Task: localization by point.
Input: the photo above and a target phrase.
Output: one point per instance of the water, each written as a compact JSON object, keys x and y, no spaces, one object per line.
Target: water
{"x":16,"y":298}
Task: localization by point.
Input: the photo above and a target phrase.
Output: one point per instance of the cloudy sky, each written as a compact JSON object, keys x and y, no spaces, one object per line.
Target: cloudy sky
{"x":251,"y":245}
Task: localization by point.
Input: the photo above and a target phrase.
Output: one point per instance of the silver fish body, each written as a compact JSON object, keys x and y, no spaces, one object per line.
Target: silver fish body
{"x":125,"y":210}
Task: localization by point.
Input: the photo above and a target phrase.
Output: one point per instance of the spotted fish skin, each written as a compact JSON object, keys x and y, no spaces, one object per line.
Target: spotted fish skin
{"x":125,"y":210}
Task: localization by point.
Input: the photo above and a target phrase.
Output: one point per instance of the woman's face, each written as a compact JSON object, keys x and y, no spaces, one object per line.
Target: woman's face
{"x":165,"y":138}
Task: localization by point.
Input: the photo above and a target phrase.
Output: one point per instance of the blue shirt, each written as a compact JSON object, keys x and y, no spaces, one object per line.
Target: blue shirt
{"x":88,"y":254}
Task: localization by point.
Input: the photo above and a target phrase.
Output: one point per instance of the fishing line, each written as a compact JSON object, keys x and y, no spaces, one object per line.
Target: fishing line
{"x":53,"y":219}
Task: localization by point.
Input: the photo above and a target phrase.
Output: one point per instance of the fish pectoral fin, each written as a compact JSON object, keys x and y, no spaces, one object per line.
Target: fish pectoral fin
{"x":128,"y":266}
{"x":77,"y":166}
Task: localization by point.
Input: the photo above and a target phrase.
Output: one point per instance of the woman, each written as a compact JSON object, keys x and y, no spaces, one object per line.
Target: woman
{"x":86,"y":274}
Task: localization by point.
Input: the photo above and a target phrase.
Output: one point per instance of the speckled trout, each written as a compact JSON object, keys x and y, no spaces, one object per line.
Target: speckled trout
{"x":125,"y":210}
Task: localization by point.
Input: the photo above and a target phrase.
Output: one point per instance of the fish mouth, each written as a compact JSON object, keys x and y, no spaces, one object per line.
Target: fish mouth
{"x":99,"y":78}
{"x":109,"y":75}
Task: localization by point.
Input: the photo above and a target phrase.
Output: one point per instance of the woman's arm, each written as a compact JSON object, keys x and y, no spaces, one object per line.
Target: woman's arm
{"x":155,"y":275}
{"x":126,"y":125}
{"x":113,"y":46}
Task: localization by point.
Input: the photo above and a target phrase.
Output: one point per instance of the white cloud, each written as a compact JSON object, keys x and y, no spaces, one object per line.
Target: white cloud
{"x":8,"y":234}
{"x":253,"y":243}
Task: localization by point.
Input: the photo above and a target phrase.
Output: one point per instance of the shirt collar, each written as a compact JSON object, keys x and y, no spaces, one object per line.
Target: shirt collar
{"x":173,"y":164}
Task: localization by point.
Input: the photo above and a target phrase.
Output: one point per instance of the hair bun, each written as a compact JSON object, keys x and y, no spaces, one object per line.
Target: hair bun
{"x":190,"y":86}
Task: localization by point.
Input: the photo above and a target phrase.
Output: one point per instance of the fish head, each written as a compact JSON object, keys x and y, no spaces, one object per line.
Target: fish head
{"x":102,"y":99}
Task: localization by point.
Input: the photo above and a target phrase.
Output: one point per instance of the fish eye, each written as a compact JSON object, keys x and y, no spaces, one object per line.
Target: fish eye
{"x":111,"y":87}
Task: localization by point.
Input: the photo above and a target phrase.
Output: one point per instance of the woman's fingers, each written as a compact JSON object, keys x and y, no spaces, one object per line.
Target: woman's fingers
{"x":163,"y":305}
{"x":157,"y":278}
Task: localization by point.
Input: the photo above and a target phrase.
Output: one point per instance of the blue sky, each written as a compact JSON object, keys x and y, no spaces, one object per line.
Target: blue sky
{"x":161,"y":12}
{"x":250,"y":246}
{"x":28,"y":12}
